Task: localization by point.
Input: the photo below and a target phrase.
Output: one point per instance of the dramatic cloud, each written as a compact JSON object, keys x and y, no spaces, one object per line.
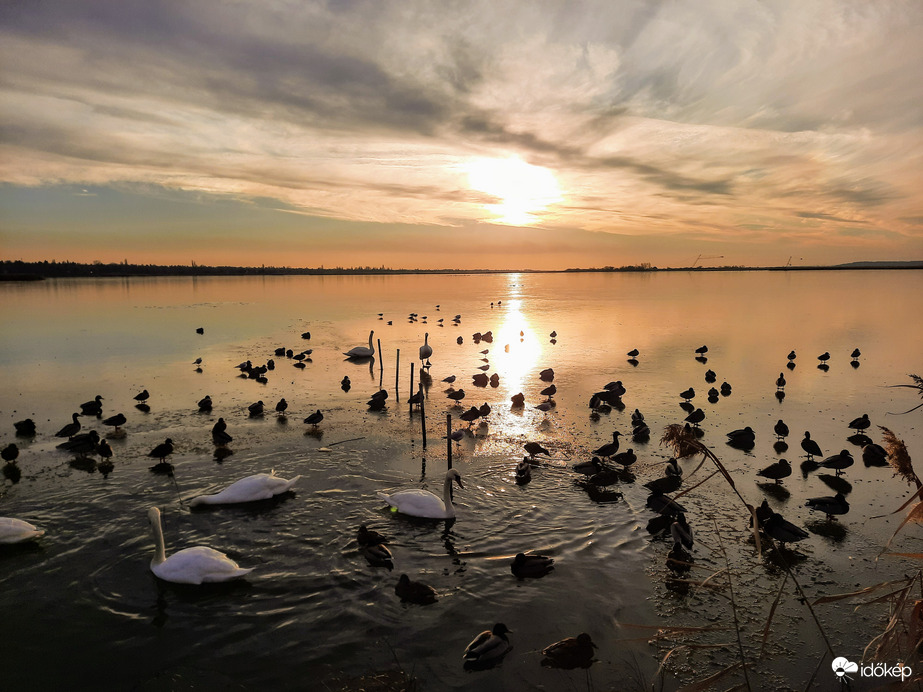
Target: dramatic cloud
{"x":756,"y":131}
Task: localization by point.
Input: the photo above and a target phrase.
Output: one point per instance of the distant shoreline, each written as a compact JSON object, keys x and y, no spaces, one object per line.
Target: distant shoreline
{"x":37,"y":271}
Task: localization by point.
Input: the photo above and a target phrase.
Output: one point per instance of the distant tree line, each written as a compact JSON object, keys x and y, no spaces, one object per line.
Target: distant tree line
{"x":17,"y":269}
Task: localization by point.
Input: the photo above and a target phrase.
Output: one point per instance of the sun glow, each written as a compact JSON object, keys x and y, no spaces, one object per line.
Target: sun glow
{"x":523,"y":190}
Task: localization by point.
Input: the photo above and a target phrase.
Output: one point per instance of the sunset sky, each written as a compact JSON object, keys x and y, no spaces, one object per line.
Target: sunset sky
{"x":531,"y":134}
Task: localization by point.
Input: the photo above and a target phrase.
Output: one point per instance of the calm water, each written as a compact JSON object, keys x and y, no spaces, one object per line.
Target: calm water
{"x":81,"y":604}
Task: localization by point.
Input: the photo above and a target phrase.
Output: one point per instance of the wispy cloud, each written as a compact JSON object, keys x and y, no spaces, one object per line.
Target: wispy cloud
{"x":690,"y":120}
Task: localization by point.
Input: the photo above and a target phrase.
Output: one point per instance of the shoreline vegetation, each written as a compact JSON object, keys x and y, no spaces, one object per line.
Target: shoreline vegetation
{"x":17,"y":270}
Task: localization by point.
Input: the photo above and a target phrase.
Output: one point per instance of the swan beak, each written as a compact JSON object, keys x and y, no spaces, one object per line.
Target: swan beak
{"x":458,"y":480}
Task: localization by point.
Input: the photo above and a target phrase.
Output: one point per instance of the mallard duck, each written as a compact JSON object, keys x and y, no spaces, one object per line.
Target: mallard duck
{"x":860,"y":424}
{"x":610,"y":448}
{"x":523,"y":471}
{"x":681,"y":532}
{"x":367,"y":536}
{"x":423,"y":503}
{"x":590,"y":467}
{"x":573,"y":652}
{"x":378,"y":555}
{"x":829,"y":505}
{"x":782,"y":530}
{"x":163,"y":450}
{"x":71,"y":428}
{"x":314,"y":419}
{"x":534,"y":448}
{"x":414,"y":591}
{"x":810,"y":447}
{"x":196,"y":565}
{"x":777,"y":471}
{"x":92,"y":408}
{"x":489,"y":646}
{"x":532,"y":566}
{"x":840,"y":461}
{"x":780,"y":429}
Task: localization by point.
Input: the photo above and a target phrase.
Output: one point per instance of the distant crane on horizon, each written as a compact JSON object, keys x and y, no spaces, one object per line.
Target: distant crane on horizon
{"x":701,"y":257}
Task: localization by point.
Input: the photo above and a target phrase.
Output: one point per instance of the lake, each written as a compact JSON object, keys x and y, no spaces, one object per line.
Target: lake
{"x":81,"y":609}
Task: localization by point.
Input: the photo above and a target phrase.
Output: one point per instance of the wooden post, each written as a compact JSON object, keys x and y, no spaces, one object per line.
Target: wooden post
{"x":397,"y":374}
{"x":381,"y":365}
{"x":448,"y":438}
{"x":411,"y":377}
{"x":422,"y":415}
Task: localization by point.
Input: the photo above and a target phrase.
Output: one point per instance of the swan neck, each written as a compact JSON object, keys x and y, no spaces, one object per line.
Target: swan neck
{"x":159,"y":550}
{"x":447,"y":496}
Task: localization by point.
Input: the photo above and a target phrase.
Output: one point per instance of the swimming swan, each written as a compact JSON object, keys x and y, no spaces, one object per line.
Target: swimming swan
{"x":17,"y":531}
{"x":260,"y":486}
{"x":423,"y":503}
{"x":197,"y":565}
{"x":361,"y":351}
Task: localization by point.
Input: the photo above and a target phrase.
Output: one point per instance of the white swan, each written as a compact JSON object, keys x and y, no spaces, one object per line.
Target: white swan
{"x":17,"y":531}
{"x":425,"y":350}
{"x":197,"y":565}
{"x":361,"y":351}
{"x":260,"y":486}
{"x":423,"y":503}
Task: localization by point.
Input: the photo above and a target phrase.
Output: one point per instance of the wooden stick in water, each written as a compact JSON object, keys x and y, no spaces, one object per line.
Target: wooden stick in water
{"x":448,"y":438}
{"x":422,"y":414}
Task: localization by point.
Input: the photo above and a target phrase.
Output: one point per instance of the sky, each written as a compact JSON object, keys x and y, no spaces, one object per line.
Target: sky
{"x":466,"y":135}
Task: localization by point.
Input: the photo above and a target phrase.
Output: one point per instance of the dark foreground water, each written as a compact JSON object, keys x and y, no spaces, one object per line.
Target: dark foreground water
{"x":81,"y":610}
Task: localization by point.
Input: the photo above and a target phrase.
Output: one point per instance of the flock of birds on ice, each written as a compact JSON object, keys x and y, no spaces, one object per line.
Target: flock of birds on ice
{"x":608,"y":466}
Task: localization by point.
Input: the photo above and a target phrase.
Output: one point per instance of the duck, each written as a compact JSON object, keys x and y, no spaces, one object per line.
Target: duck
{"x":315,"y":419}
{"x":572,"y":652}
{"x":780,"y":381}
{"x":633,"y":353}
{"x":782,"y":530}
{"x":701,"y":350}
{"x":533,"y":566}
{"x":378,"y":554}
{"x":829,"y":505}
{"x":425,"y":350}
{"x":547,"y":375}
{"x":840,"y":461}
{"x":711,"y":376}
{"x":589,"y":468}
{"x":695,"y":417}
{"x":861,"y":423}
{"x":518,"y":399}
{"x":777,"y":471}
{"x":626,"y":458}
{"x":610,"y":448}
{"x":17,"y":531}
{"x":25,"y":427}
{"x":414,"y":591}
{"x":162,"y":451}
{"x":367,"y":536}
{"x":423,"y":503}
{"x":142,"y":396}
{"x":681,"y":532}
{"x":256,"y":409}
{"x":874,"y":455}
{"x":534,"y":448}
{"x":688,"y":394}
{"x":10,"y":453}
{"x":205,"y":403}
{"x":810,"y":447}
{"x":780,"y":429}
{"x":523,"y":471}
{"x":663,"y":504}
{"x":92,"y":408}
{"x":281,"y":406}
{"x":489,"y":646}
{"x":195,"y":565}
{"x":260,"y":486}
{"x":71,"y":428}
{"x":824,"y":357}
{"x":457,"y":395}
{"x":672,"y":468}
{"x":855,"y":354}
{"x":362,"y":351}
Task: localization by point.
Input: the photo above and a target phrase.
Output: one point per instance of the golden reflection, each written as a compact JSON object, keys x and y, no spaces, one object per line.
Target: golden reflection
{"x":518,"y":348}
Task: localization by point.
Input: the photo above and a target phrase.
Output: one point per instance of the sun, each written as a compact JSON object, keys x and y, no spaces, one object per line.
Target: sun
{"x":524,"y":190}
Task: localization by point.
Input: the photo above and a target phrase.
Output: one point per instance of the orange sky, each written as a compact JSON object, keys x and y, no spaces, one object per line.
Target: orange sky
{"x":512,"y":135}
